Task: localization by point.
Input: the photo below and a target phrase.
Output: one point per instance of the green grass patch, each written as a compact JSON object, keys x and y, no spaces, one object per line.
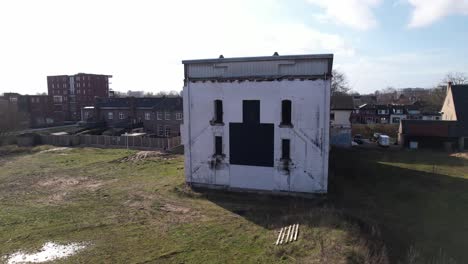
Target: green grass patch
{"x":380,"y":203}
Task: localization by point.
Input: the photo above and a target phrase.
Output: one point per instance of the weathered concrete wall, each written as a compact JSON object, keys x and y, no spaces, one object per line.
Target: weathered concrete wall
{"x":309,"y":136}
{"x":340,"y":137}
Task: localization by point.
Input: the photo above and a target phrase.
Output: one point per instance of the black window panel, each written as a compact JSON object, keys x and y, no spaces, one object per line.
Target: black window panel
{"x":286,"y":112}
{"x":251,"y":144}
{"x":218,"y":145}
{"x":332,"y":116}
{"x":286,"y":149}
{"x":251,"y":111}
{"x":218,"y":111}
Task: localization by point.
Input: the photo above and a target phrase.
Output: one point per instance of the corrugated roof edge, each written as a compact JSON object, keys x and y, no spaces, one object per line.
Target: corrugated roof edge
{"x":262,"y":58}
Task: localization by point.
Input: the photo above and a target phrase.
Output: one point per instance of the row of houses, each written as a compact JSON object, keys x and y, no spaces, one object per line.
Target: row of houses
{"x":158,"y":116}
{"x":392,"y":113}
{"x":67,"y":95}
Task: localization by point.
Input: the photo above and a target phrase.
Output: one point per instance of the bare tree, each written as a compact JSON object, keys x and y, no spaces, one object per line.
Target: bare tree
{"x":339,"y":83}
{"x":455,"y":78}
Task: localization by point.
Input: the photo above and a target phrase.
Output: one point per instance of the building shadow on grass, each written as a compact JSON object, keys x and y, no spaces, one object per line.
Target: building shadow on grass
{"x":400,"y":207}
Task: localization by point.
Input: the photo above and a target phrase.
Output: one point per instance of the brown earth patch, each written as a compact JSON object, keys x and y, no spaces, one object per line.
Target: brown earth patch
{"x":462,"y":155}
{"x":55,"y":149}
{"x":160,"y":210}
{"x":61,"y":187}
{"x":174,"y":208}
{"x":144,"y":155}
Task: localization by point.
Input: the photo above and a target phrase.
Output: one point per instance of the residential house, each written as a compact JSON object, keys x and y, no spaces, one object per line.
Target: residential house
{"x":451,"y":132}
{"x":40,"y":109}
{"x":365,"y":114}
{"x":258,"y":123}
{"x":397,"y":113}
{"x":24,"y":111}
{"x":340,"y":120}
{"x":159,"y":116}
{"x":455,"y":108}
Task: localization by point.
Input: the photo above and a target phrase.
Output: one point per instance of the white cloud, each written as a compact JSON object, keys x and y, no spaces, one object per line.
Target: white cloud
{"x":427,"y":12}
{"x":142,"y":43}
{"x":369,"y":73}
{"x":356,"y":14}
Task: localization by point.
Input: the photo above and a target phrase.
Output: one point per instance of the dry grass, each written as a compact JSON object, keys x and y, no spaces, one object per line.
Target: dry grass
{"x":140,"y":211}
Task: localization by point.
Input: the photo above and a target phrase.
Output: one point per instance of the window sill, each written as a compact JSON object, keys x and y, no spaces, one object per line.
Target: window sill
{"x":286,"y":125}
{"x":216,"y":124}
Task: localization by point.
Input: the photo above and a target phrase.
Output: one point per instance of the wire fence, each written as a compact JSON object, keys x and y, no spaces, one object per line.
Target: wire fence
{"x":111,"y":141}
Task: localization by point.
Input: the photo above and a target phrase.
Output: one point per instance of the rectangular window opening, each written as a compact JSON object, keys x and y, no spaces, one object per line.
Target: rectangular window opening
{"x":286,"y":112}
{"x":251,"y":111}
{"x":167,"y":131}
{"x":218,"y":107}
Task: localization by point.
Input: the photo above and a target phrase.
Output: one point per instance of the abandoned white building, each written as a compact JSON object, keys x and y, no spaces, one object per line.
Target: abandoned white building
{"x":258,"y":123}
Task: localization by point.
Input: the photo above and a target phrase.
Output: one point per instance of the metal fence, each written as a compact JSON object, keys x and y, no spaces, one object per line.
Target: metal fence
{"x":111,"y":141}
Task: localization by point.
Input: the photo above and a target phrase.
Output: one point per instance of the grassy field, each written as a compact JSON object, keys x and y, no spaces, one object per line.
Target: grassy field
{"x":136,"y":209}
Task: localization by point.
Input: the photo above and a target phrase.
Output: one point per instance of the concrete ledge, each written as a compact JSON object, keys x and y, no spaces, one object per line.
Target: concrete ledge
{"x":203,"y":187}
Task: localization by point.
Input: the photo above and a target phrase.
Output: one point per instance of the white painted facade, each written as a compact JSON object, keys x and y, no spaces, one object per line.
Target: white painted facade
{"x":308,"y":89}
{"x":341,"y":118}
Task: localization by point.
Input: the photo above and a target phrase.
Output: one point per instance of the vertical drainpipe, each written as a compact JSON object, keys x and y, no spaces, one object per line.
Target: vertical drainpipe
{"x":326,"y":130}
{"x":189,"y":103}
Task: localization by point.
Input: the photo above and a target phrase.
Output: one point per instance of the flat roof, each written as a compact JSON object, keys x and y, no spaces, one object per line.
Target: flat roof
{"x":261,"y":58}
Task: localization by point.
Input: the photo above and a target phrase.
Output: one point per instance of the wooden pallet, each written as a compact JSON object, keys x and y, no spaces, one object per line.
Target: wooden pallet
{"x":287,"y":234}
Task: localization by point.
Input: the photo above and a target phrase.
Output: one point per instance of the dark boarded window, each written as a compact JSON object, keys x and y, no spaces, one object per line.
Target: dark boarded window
{"x":286,"y":149}
{"x":218,"y":107}
{"x":218,"y":145}
{"x":286,"y":112}
{"x":251,"y":111}
{"x":332,"y":116}
{"x":251,"y":144}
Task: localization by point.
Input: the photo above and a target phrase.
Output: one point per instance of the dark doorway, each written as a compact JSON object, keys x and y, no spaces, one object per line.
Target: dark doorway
{"x":251,"y":111}
{"x":251,"y":143}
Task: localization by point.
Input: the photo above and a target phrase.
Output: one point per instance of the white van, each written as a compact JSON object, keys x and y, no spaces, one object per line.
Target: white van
{"x":384,"y":141}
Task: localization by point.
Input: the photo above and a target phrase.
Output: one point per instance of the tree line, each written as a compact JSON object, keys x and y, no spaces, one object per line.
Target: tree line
{"x":432,"y":96}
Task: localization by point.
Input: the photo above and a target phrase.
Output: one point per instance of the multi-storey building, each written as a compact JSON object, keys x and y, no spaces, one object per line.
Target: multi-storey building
{"x":69,"y":93}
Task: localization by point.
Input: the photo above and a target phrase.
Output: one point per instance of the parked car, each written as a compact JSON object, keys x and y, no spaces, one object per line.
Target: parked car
{"x":384,"y":141}
{"x":358,"y":139}
{"x":376,"y":136}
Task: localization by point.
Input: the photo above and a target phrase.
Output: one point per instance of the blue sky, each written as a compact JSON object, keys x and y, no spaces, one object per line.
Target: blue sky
{"x":377,"y":43}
